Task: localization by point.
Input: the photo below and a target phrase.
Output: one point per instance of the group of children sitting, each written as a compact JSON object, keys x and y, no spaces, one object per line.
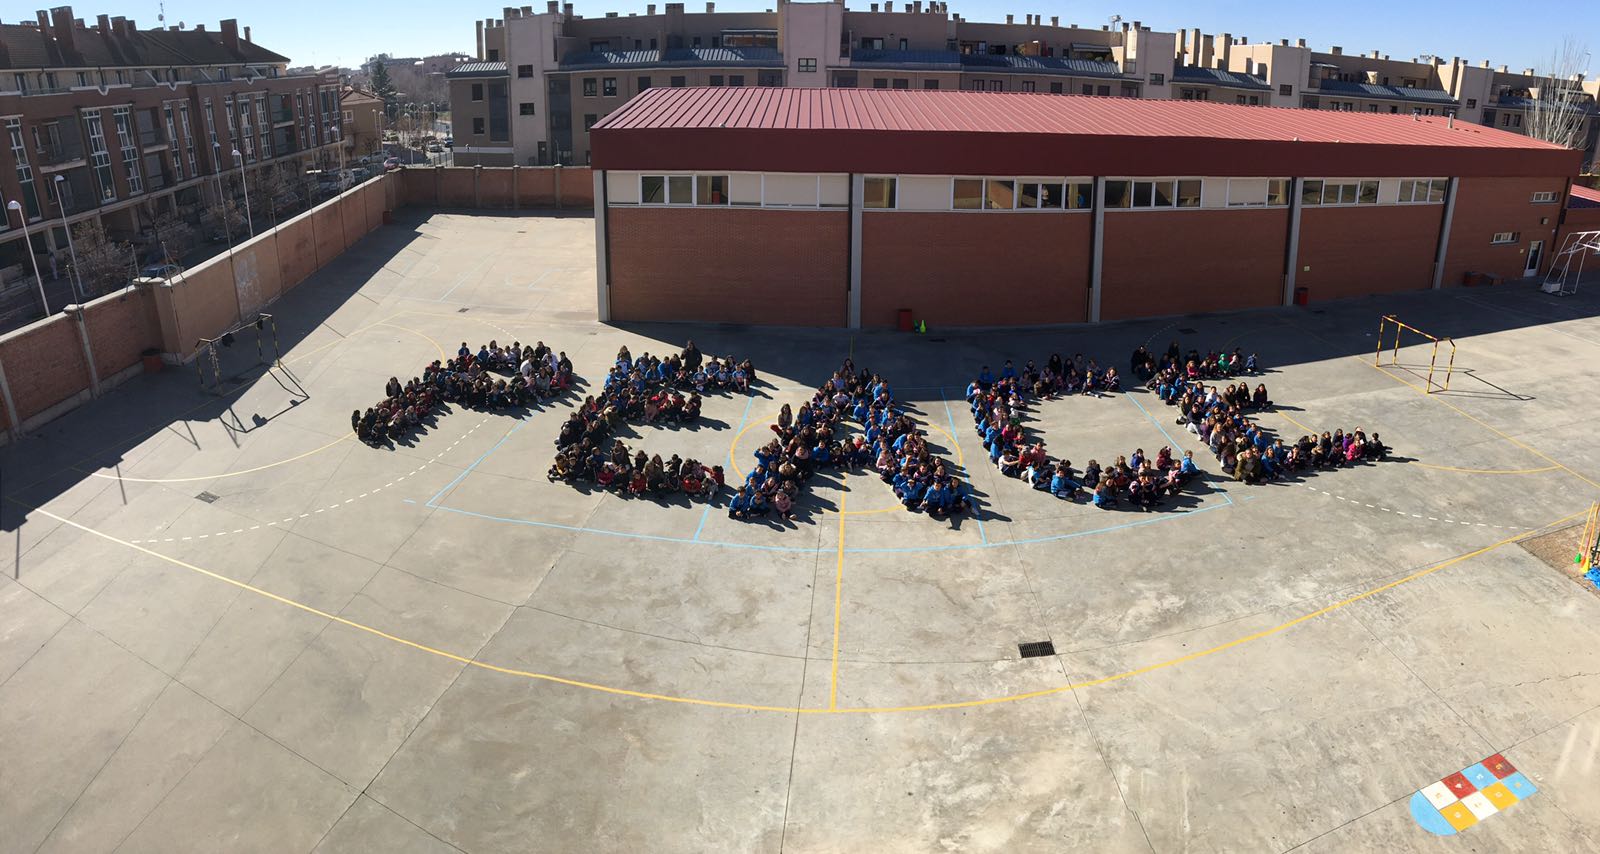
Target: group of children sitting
{"x":812,"y":439}
{"x":1212,"y":366}
{"x":1057,"y":377}
{"x":471,"y":380}
{"x":651,"y":390}
{"x":1142,"y":481}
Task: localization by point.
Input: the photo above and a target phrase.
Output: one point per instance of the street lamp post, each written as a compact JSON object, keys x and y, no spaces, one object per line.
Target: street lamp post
{"x":27,"y":246}
{"x":248,"y":221}
{"x":222,"y":199}
{"x":76,"y":278}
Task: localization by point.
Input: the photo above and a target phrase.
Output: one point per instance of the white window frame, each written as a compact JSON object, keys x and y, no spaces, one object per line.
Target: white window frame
{"x":1503,"y":238}
{"x":1404,"y":182}
{"x":1064,"y":182}
{"x":1544,"y":197}
{"x":1172,"y":191}
{"x":1228,"y":202}
{"x":1344,"y":181}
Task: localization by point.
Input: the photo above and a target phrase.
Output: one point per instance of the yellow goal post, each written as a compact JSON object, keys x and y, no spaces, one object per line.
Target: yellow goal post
{"x":1390,"y":322}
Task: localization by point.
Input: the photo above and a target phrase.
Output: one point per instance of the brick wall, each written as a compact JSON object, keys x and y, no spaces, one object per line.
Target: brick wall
{"x":974,"y":269}
{"x":121,"y":327}
{"x":1357,"y":251}
{"x":729,"y":265}
{"x":1485,"y":206}
{"x":493,"y":188}
{"x":44,"y":365}
{"x":1183,"y":261}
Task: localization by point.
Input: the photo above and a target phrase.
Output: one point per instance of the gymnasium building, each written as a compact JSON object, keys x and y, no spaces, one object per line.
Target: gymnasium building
{"x":866,"y":208}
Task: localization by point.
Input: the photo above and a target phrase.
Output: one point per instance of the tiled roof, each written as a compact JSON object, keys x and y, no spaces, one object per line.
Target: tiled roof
{"x":687,"y":57}
{"x":478,"y":69}
{"x":1218,"y":77}
{"x":941,"y":60}
{"x":1584,"y":197}
{"x":1041,"y":65}
{"x":1390,"y":93}
{"x":1001,"y":113}
{"x":28,"y":47}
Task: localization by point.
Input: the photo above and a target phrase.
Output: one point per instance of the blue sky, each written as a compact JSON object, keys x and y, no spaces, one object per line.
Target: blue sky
{"x":1519,"y":35}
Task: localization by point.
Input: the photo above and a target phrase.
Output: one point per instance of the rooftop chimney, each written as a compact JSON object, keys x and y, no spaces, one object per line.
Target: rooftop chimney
{"x":566,"y":9}
{"x":1055,"y":20}
{"x":874,"y":7}
{"x":1300,"y":43}
{"x":246,"y":33}
{"x":1194,"y":46}
{"x":1374,"y":54}
{"x":63,"y":25}
{"x":44,"y":21}
{"x":711,"y":7}
{"x":1283,"y":42}
{"x":230,"y":34}
{"x":1011,"y":19}
{"x":1503,"y":69}
{"x":552,"y":7}
{"x":1338,"y":51}
{"x":1227,"y":51}
{"x":1486,"y":63}
{"x":103,"y":23}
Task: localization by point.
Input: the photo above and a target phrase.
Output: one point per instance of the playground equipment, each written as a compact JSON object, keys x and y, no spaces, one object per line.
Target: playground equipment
{"x":1567,"y":268}
{"x":1400,"y":329}
{"x":208,"y":363}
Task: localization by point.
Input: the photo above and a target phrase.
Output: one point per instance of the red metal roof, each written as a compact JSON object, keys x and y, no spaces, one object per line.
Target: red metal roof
{"x":891,"y":130}
{"x":1584,"y":197}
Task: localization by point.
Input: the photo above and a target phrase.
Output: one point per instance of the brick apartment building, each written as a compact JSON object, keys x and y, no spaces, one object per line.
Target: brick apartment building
{"x":362,"y":122}
{"x":843,"y":207}
{"x":541,"y":81}
{"x":105,"y":121}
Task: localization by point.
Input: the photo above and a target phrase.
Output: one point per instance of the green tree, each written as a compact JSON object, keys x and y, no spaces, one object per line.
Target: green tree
{"x":383,"y":87}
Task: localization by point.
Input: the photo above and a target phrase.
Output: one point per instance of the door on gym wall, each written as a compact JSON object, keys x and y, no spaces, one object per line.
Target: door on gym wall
{"x":1535,"y":251}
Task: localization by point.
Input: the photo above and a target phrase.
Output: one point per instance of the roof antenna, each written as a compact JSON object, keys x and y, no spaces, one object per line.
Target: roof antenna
{"x":161,"y":18}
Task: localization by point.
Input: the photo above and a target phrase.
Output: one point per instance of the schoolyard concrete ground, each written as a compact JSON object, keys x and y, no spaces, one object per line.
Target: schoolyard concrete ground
{"x":228,"y":626}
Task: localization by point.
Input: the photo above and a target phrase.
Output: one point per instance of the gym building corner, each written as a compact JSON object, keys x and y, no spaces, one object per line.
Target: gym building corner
{"x":866,"y":208}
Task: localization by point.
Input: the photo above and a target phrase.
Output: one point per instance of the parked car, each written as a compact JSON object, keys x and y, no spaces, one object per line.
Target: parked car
{"x":449,"y":142}
{"x":436,"y":148}
{"x":161,"y":271}
{"x":391,"y":164}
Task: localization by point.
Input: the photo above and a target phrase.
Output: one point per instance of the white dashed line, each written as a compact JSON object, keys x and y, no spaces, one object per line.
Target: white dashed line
{"x":1412,"y":515}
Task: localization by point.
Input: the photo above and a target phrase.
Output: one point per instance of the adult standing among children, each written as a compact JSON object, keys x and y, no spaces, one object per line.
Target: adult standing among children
{"x":691,"y":357}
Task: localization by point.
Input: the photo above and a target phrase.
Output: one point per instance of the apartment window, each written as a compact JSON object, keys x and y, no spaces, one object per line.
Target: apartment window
{"x":1088,"y":89}
{"x":1130,"y":90}
{"x":902,"y":83}
{"x":477,"y":126}
{"x":735,"y":79}
{"x":716,"y":41}
{"x":871,"y":44}
{"x":930,"y":84}
{"x":1545,"y":197}
{"x":525,"y":108}
{"x":83,"y":78}
{"x":1028,"y":86}
{"x":1516,"y":120}
{"x":130,"y":148}
{"x":608,"y":87}
{"x":880,"y":82}
{"x":878,"y":193}
{"x":1505,"y":237}
{"x":590,"y":87}
{"x":21,"y":82}
{"x":1055,"y":88}
{"x":19,"y":153}
{"x":905,"y":44}
{"x":808,"y":63}
{"x":644,"y":83}
{"x":997,"y":85}
{"x":769,"y":78}
{"x":494,"y":55}
{"x":99,"y":156}
{"x":477,"y":91}
{"x":1194,"y":94}
{"x":524,"y":71}
{"x":696,"y":42}
{"x":1158,"y":79}
{"x":652,"y":44}
{"x":1372,"y":108}
{"x":716,"y":80}
{"x":977,"y":85}
{"x":589,"y":121}
{"x":677,"y":81}
{"x":1284,"y":89}
{"x":1471,"y":103}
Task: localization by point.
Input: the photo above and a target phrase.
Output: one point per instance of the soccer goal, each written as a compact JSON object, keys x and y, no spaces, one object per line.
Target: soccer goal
{"x":1393,"y":335}
{"x":1567,"y":269}
{"x":208,"y":355}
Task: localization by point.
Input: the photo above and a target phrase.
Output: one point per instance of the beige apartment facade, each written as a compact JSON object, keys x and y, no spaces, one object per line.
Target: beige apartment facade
{"x":542,"y":79}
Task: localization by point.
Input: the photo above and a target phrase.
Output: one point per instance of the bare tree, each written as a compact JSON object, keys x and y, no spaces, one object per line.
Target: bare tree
{"x":103,"y":264}
{"x":1558,"y":108}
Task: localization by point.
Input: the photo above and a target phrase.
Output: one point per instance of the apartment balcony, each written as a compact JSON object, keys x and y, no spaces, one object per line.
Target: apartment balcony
{"x":58,"y":154}
{"x":280,"y":117}
{"x":152,"y":137}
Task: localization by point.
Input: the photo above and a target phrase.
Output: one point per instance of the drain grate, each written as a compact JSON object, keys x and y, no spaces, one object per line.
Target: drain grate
{"x":461,"y":311}
{"x":1187,"y":330}
{"x":1037,"y":649}
{"x":207,"y":497}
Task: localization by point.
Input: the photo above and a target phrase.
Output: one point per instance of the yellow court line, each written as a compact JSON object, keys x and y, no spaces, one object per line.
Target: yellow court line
{"x":721,"y":704}
{"x":1481,"y":423}
{"x":343,"y":438}
{"x":838,"y":602}
{"x":1294,"y":422}
{"x":1484,"y":471}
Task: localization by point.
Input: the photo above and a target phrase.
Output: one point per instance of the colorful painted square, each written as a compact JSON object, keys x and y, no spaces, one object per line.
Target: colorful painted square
{"x":1499,"y":767}
{"x":1479,"y":776}
{"x":1459,"y":785}
{"x":1519,"y":785}
{"x":1481,"y":806}
{"x":1459,"y":816}
{"x":1499,"y":795}
{"x":1439,"y":795}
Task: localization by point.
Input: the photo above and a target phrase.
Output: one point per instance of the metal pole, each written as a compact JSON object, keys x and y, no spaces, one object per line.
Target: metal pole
{"x":27,"y":245}
{"x":76,"y":278}
{"x":249,"y":222}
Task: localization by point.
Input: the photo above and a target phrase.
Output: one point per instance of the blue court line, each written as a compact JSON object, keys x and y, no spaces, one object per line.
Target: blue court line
{"x":1165,"y":517}
{"x":977,"y":512}
{"x":521,"y":422}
